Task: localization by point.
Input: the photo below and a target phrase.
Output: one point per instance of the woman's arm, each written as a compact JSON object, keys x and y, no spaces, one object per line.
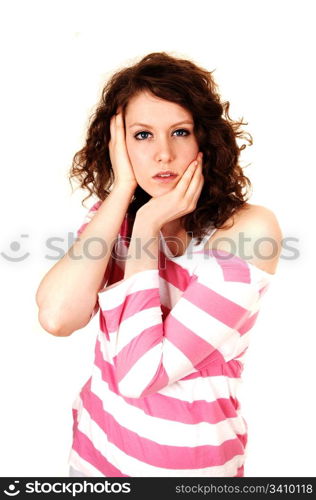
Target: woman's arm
{"x":67,"y":294}
{"x":217,"y":307}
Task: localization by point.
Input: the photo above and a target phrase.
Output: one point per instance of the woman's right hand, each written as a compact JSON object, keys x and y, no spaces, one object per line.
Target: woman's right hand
{"x":122,"y":168}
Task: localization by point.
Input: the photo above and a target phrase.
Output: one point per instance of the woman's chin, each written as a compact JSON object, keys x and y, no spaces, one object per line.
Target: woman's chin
{"x":156,"y":191}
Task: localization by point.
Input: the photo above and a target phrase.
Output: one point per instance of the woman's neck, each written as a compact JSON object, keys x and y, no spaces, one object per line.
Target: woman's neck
{"x":176,"y":237}
{"x":172,"y":228}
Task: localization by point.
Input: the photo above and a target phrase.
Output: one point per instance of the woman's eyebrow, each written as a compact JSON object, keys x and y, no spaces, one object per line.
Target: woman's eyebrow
{"x":150,"y":126}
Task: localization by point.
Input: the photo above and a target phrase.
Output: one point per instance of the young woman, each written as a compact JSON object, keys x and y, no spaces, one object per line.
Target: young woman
{"x":176,"y":261}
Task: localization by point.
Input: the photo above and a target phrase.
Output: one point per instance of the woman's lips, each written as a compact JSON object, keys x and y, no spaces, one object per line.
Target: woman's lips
{"x":170,"y":178}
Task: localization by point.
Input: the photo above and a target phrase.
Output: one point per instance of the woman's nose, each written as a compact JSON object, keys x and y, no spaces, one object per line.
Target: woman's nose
{"x":163,"y":150}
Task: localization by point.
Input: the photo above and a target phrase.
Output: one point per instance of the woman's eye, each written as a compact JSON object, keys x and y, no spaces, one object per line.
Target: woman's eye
{"x":139,"y":133}
{"x":144,"y":132}
{"x":183,"y":130}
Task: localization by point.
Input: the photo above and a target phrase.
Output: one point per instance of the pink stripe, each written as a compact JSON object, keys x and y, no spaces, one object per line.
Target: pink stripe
{"x":248,"y":324}
{"x":107,"y":370}
{"x":162,"y":262}
{"x":176,"y":275}
{"x":97,"y":205}
{"x":107,"y":271}
{"x":157,"y":455}
{"x":196,"y":412}
{"x":232,"y":368}
{"x":234,"y":267}
{"x":227,"y":261}
{"x":160,"y":380}
{"x":214,"y":357}
{"x":138,"y":301}
{"x":218,"y":367}
{"x":102,"y":325}
{"x":91,"y":212}
{"x":117,"y":274}
{"x":125,"y":230}
{"x":82,"y":228}
{"x":263,"y":290}
{"x":240,"y":472}
{"x":218,"y":306}
{"x":136,"y":348}
{"x":193,"y":347}
{"x":132,"y":304}
{"x":165,"y":311}
{"x":172,"y":408}
{"x":85,"y":449}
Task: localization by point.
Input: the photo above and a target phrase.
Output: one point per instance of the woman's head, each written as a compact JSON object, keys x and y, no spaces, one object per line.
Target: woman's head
{"x":159,"y":137}
{"x":161,"y":90}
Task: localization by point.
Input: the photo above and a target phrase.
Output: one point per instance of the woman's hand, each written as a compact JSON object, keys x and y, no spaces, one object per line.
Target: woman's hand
{"x":123,"y":170}
{"x":181,"y":200}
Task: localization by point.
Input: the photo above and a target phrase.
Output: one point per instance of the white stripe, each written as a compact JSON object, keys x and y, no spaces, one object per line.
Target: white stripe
{"x":105,"y":347}
{"x":115,"y":294}
{"x":141,"y":373}
{"x":202,"y":388}
{"x":132,"y":326}
{"x":79,"y":463}
{"x":176,"y":364}
{"x":169,"y":294}
{"x":243,"y":342}
{"x":208,"y":269}
{"x":211,"y":275}
{"x":208,"y":328}
{"x":259,"y":275}
{"x":242,"y":358}
{"x":254,"y":307}
{"x":160,"y":430}
{"x":134,"y":467}
{"x":243,"y":294}
{"x":207,"y":389}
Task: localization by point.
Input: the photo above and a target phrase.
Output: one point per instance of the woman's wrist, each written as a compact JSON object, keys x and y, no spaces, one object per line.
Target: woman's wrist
{"x":144,"y":245}
{"x":126,"y":189}
{"x":147,"y":220}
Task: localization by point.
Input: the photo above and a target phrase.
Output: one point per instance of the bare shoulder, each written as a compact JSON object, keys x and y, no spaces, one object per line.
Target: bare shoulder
{"x":254,"y":234}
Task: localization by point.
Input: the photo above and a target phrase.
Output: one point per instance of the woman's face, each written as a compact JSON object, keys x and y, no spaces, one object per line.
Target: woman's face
{"x":164,"y":142}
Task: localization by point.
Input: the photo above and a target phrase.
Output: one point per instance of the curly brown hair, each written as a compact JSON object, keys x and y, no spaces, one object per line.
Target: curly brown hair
{"x":181,"y":81}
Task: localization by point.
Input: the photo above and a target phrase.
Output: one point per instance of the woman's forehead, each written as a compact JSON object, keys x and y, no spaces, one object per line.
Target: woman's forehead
{"x":145,"y":109}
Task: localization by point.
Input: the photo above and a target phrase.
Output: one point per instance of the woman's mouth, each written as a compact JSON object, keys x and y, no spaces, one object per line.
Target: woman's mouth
{"x":165,"y":177}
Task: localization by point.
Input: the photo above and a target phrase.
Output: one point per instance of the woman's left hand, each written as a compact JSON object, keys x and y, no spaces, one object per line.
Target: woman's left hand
{"x":181,"y":200}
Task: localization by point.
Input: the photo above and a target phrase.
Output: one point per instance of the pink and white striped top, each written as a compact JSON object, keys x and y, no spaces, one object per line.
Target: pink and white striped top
{"x":162,"y":397}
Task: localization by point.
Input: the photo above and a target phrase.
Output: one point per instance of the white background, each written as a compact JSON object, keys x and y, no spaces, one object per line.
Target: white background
{"x":56,"y":57}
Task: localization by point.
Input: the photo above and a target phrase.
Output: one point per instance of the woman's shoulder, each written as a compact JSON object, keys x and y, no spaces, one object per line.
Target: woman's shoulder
{"x":253,"y":234}
{"x":257,"y":219}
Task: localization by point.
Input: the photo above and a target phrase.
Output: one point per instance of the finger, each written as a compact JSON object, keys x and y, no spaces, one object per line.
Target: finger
{"x":120,"y":125}
{"x":120,"y":129}
{"x":113,"y":129}
{"x":196,"y":184}
{"x":184,"y":181}
{"x":188,"y":175}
